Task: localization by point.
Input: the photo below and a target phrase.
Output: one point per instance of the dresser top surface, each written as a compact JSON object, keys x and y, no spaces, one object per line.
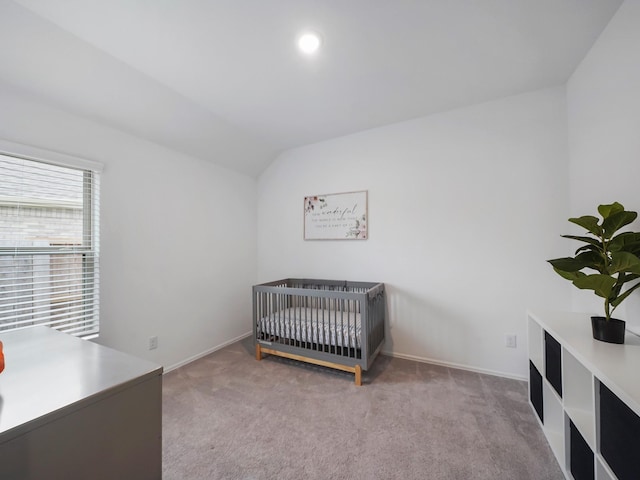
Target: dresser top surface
{"x":48,"y":372}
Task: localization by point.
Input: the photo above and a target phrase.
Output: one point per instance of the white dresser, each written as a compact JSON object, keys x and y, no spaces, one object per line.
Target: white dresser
{"x":73,"y":409}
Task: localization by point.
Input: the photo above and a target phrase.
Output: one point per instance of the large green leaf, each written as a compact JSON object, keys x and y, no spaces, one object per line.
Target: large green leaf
{"x":616,"y":221}
{"x":619,"y":300}
{"x":617,"y":288}
{"x":567,"y":264}
{"x":628,"y":277}
{"x":588,"y":248}
{"x":607,"y":210}
{"x":593,"y":244}
{"x":623,"y":278}
{"x":571,"y":276}
{"x":600,"y":284}
{"x":593,"y":260}
{"x":624,"y":262}
{"x":592,"y":241}
{"x":588,"y":222}
{"x":627,"y":242}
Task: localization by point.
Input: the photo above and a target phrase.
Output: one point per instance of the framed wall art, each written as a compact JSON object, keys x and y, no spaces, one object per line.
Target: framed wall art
{"x":336,"y":216}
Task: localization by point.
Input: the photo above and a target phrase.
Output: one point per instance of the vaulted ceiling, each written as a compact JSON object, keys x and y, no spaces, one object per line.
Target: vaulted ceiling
{"x":222,"y":80}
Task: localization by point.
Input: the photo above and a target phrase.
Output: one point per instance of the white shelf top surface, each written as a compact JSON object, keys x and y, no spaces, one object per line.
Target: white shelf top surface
{"x":617,"y":366}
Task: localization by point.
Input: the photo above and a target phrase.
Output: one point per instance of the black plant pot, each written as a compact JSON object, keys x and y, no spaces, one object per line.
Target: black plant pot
{"x":611,"y":331}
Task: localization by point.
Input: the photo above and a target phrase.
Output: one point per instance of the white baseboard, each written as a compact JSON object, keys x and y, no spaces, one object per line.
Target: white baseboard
{"x":206,"y":352}
{"x":415,"y":358}
{"x":454,"y":365}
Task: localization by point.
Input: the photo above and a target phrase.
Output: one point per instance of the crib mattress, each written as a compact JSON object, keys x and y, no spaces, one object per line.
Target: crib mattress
{"x":327,"y":327}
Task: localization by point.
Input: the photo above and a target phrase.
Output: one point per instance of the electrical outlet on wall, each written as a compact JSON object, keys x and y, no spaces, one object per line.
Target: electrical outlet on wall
{"x":153,"y":342}
{"x":511,"y":340}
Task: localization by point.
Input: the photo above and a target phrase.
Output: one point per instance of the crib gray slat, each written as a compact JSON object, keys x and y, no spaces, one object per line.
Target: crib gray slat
{"x":265,"y":306}
{"x":302,"y":309}
{"x":274,"y":316}
{"x":381,"y":314}
{"x":279,"y":310}
{"x":269,"y":315}
{"x":326,"y":332}
{"x":279,"y":317}
{"x":319,"y":338}
{"x":265,"y":310}
{"x":349,"y":341}
{"x":262,"y":310}
{"x":288,"y":319}
{"x":317,"y":328}
{"x":312,"y":343}
{"x":310,"y":323}
{"x":321,"y":323}
{"x":303,"y":319}
{"x":297,"y":334}
{"x":332,"y":307}
{"x":364,"y":328}
{"x":349,"y":326}
{"x":254,"y":300}
{"x":319,"y":314}
{"x":306,"y":323}
{"x":292,"y":320}
{"x":332,"y":340}
{"x":348,"y":312}
{"x":259,"y":315}
{"x":265,"y":313}
{"x":373,"y":335}
{"x":286,"y":316}
{"x":358,"y":308}
{"x":339,"y":306}
{"x":333,"y":326}
{"x":284,"y":324}
{"x":354,"y":341}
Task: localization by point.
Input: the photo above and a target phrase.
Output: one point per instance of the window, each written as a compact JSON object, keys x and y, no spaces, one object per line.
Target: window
{"x":49,"y":243}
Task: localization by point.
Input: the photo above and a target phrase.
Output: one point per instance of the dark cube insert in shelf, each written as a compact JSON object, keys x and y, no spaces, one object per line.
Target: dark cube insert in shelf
{"x":619,"y":435}
{"x":580,"y":455}
{"x":552,"y":362}
{"x":535,"y":387}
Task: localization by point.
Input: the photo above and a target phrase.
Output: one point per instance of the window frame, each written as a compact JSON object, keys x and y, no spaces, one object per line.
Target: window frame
{"x":90,"y":229}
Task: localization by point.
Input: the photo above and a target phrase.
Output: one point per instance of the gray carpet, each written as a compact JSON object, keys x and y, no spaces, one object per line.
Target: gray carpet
{"x":228,"y":416}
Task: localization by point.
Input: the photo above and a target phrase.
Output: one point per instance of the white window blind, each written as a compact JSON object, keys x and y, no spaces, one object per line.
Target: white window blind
{"x":49,"y":246}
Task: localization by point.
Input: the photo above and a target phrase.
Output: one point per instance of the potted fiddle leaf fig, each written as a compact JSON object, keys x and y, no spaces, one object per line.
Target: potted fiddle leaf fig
{"x":612,"y":261}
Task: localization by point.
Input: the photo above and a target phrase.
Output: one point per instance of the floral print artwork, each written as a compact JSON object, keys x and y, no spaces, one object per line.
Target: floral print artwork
{"x":336,"y":216}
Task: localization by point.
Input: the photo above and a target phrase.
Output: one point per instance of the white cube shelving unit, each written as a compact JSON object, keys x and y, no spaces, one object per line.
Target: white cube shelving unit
{"x":585,"y":364}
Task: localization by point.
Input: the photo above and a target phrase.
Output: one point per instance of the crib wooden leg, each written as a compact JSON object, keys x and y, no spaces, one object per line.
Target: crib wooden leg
{"x":358,"y":376}
{"x":258,"y":352}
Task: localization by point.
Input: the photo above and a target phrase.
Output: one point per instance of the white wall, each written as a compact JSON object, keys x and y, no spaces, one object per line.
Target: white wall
{"x":464,"y":208}
{"x":177,"y":239}
{"x":603,"y":99}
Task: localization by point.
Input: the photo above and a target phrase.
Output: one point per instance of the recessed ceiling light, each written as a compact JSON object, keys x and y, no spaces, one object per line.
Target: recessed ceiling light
{"x":309,"y":42}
